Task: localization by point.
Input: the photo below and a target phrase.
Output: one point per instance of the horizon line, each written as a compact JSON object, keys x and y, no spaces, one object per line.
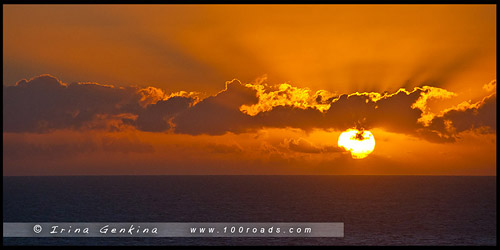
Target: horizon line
{"x":138,"y":175}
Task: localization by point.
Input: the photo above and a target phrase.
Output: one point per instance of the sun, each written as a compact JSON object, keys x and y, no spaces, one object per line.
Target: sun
{"x":360,"y":143}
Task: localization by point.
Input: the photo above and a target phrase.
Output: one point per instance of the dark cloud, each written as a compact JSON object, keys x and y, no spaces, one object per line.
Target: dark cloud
{"x":155,"y":118}
{"x":44,"y":103}
{"x":396,"y":114}
{"x":287,"y":116}
{"x":350,"y":111}
{"x":219,"y":114}
{"x":481,"y":115}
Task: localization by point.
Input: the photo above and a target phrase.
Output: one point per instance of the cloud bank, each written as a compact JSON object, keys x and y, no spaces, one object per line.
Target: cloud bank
{"x":44,"y":103}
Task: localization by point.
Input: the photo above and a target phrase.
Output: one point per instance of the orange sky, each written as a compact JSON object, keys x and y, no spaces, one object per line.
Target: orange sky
{"x":295,"y":64}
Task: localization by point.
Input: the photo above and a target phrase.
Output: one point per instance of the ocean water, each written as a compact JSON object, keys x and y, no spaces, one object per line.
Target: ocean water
{"x":376,"y":210}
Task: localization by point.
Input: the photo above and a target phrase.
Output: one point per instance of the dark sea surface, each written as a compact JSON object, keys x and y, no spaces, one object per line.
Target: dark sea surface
{"x":376,"y":210}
